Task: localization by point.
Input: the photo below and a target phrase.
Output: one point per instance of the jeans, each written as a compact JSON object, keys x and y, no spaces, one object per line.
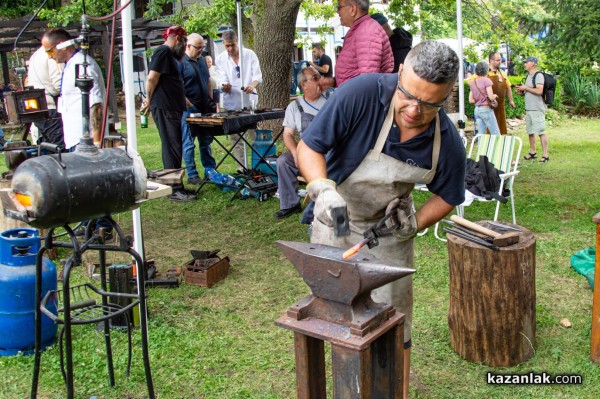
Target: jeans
{"x":485,"y":118}
{"x":169,"y":130}
{"x":189,"y":146}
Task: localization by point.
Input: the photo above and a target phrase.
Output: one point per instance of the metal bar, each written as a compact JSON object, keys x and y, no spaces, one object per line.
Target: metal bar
{"x":471,"y":238}
{"x":503,"y":226}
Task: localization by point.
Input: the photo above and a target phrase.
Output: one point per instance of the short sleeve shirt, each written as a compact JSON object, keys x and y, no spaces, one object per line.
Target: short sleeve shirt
{"x":479,"y":89}
{"x":293,"y":117}
{"x":349,"y":123}
{"x":326,"y":60}
{"x":169,"y":93}
{"x":534,"y":102}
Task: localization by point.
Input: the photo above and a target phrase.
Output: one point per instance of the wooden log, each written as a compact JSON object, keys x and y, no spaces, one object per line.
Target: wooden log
{"x":491,"y":315}
{"x":595,"y":341}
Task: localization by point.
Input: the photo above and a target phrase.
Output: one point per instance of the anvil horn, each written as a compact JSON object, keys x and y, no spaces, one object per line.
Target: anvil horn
{"x":331,"y":277}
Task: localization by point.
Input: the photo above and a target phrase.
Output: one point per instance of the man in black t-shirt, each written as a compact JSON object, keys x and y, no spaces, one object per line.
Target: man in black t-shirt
{"x":166,"y":100}
{"x":323,"y":62}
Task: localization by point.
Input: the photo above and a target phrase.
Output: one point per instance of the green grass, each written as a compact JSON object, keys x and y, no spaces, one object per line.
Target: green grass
{"x":222,"y":343}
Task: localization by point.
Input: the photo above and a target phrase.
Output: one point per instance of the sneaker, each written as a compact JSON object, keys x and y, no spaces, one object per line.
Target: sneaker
{"x":283,"y":213}
{"x":181,"y":196}
{"x":195,"y":180}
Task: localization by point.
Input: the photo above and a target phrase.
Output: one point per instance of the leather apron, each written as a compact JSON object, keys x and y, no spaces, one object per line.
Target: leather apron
{"x":377,"y":181}
{"x":499,"y":87}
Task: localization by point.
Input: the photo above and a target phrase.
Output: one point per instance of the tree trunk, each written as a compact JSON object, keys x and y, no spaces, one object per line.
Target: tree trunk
{"x":491,"y":316}
{"x":275,"y":30}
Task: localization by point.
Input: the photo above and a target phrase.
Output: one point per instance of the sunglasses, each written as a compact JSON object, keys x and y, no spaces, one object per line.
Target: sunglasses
{"x":237,"y":70}
{"x":50,"y":51}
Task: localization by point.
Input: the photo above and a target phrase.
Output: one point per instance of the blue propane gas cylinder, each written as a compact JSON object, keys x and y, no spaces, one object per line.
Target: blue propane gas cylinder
{"x":261,"y":145}
{"x":18,"y":251}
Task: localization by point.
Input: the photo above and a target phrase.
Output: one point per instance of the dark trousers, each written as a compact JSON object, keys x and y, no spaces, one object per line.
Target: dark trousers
{"x":51,"y":130}
{"x":169,"y":130}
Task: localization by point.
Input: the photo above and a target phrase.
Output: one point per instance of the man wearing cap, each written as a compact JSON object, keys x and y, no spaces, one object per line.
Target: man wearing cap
{"x":166,"y":100}
{"x":298,"y":116}
{"x":400,"y":39}
{"x":322,"y":62}
{"x":535,"y":109}
{"x":366,"y":46}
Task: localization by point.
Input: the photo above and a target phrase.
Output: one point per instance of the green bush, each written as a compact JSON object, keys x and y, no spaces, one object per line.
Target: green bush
{"x":582,"y":93}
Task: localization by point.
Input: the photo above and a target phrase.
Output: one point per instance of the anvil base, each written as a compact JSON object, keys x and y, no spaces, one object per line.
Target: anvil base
{"x":368,"y":367}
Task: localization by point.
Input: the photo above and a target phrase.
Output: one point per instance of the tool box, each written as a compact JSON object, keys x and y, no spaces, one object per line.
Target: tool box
{"x":206,"y":268}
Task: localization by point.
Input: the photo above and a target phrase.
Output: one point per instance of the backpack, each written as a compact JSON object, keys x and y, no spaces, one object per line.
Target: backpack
{"x":483,"y":179}
{"x":549,"y":87}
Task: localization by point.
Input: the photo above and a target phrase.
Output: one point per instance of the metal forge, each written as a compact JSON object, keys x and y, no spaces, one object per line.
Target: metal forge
{"x":366,"y":337}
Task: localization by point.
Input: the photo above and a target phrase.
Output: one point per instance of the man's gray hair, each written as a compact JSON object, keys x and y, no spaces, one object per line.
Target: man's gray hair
{"x":192,"y":37}
{"x":300,"y":77}
{"x":229,"y":35}
{"x":362,"y":5}
{"x":434,"y":62}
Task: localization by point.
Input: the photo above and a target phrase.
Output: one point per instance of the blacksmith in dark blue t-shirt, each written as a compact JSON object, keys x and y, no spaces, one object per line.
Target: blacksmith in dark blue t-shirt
{"x":382,"y":134}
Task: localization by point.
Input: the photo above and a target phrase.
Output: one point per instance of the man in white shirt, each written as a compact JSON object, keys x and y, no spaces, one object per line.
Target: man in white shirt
{"x":230,"y":77}
{"x":44,"y":73}
{"x":69,"y":104}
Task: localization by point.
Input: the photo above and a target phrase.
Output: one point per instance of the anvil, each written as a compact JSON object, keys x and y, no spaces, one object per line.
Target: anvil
{"x":341,"y":289}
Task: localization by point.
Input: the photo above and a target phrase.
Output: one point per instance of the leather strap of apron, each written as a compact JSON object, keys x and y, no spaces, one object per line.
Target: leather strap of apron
{"x":385,"y":131}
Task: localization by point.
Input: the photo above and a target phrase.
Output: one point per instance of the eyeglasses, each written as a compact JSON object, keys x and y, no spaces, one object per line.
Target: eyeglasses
{"x":50,"y":51}
{"x":339,"y":7}
{"x":314,"y":77}
{"x":237,"y":70}
{"x":200,"y":48}
{"x":424,"y":106}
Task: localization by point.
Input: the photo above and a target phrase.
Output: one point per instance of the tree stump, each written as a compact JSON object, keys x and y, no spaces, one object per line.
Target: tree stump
{"x":491,"y":316}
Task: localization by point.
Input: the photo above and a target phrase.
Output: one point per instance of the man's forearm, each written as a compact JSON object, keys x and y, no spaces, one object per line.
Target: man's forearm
{"x":96,"y":122}
{"x":432,"y":211}
{"x":311,"y":163}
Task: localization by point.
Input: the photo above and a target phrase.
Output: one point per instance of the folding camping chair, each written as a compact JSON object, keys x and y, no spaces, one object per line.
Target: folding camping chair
{"x":503,"y":152}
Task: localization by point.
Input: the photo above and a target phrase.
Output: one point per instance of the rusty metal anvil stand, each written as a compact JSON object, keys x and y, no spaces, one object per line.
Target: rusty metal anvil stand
{"x":367,"y":338}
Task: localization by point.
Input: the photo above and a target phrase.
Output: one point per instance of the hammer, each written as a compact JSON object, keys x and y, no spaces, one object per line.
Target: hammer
{"x":500,"y":240}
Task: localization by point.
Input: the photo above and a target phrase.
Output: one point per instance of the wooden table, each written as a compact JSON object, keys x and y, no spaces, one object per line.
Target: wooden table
{"x":595,"y":341}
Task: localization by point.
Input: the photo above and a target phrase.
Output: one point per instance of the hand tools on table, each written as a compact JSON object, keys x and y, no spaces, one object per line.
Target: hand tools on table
{"x":500,"y":239}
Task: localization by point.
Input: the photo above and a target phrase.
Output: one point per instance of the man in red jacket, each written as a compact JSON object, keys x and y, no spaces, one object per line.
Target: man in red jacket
{"x":366,"y":45}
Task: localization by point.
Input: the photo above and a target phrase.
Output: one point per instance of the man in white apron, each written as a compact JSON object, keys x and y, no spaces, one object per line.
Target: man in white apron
{"x":383,"y":133}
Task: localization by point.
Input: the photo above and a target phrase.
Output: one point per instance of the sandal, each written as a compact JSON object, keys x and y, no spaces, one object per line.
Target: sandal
{"x":544,"y":159}
{"x":530,"y":156}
